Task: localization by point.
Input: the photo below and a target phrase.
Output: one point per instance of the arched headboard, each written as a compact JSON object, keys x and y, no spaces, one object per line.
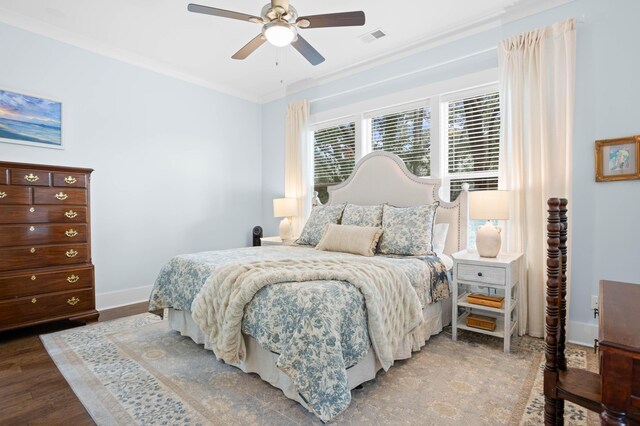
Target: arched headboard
{"x":382,"y":177}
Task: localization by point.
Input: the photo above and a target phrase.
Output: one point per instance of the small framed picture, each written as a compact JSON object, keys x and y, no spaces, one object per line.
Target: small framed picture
{"x":30,"y":120}
{"x":618,"y":159}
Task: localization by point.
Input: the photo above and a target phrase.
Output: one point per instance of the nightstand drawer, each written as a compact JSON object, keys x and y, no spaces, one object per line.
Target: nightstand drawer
{"x":481,"y":274}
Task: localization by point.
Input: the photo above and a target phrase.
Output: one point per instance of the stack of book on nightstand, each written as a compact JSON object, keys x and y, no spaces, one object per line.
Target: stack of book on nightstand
{"x":486,"y":300}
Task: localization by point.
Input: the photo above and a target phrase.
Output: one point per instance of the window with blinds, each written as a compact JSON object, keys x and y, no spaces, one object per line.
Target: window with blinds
{"x":334,"y":156}
{"x":406,"y":134}
{"x":473,"y":142}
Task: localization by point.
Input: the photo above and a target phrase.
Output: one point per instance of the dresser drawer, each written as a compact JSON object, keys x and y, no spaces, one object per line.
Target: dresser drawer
{"x":15,"y":195}
{"x":481,"y":274}
{"x":59,"y":196}
{"x":47,"y":306}
{"x":70,"y":180}
{"x":30,"y":177}
{"x":3,"y":175}
{"x":41,"y":256}
{"x":22,"y":235}
{"x":42,"y":214}
{"x":38,"y":282}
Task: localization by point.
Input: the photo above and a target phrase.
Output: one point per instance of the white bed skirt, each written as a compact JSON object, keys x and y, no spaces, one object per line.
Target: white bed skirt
{"x":263,"y":362}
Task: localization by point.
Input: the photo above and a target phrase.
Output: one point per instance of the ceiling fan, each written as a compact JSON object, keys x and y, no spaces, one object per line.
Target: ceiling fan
{"x":280,"y":25}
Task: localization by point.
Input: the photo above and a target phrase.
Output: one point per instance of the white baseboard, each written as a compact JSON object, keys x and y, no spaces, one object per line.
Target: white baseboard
{"x":114,"y":299}
{"x":581,"y":333}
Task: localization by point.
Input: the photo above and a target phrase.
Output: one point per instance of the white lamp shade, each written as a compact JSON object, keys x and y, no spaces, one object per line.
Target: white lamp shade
{"x":279,"y":34}
{"x":285,"y":207}
{"x":489,"y":205}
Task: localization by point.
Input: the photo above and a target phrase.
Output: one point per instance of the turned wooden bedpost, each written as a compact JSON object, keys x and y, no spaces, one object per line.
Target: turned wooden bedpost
{"x":552,"y":406}
{"x":562,"y":361}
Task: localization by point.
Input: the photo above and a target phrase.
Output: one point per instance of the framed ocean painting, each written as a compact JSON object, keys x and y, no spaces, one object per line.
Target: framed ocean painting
{"x":30,"y":120}
{"x":618,"y":159}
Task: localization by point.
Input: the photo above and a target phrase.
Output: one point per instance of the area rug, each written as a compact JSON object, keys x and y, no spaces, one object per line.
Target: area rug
{"x":136,"y":371}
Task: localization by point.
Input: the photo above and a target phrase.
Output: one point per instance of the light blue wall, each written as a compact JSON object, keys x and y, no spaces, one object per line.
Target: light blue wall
{"x":177,"y":166}
{"x":605,"y":232}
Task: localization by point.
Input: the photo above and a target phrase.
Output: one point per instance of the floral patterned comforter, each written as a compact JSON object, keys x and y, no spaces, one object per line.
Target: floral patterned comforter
{"x":298,"y":318}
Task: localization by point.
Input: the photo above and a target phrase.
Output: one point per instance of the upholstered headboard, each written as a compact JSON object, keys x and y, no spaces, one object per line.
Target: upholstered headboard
{"x":382,"y":177}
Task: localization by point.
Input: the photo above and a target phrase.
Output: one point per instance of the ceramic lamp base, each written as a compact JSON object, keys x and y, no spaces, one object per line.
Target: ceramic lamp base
{"x":285,"y":229}
{"x":488,"y":240}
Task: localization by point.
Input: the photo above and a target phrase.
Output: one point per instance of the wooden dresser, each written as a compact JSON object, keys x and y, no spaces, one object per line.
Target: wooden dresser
{"x":619,"y":342}
{"x":45,"y":245}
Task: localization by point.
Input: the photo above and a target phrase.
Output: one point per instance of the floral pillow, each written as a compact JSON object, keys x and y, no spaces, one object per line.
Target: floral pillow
{"x":362,"y":215}
{"x":408,"y":230}
{"x":320,"y":216}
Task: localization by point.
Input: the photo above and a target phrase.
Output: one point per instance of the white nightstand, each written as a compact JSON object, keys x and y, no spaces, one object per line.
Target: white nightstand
{"x":271,"y":241}
{"x":472,"y":273}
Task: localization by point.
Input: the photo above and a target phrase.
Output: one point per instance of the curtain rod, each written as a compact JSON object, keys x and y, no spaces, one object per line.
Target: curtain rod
{"x":396,"y":77}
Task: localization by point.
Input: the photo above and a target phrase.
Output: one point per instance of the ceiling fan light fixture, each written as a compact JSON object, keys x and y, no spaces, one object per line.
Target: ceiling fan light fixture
{"x":280,"y":33}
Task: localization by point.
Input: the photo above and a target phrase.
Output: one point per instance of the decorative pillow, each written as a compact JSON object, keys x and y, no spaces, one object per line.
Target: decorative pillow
{"x":408,"y":230}
{"x":320,"y":216}
{"x":350,"y":239}
{"x":362,"y":215}
{"x":439,"y":237}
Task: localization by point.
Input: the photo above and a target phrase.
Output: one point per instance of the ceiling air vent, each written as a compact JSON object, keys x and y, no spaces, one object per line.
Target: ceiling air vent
{"x":373,"y":35}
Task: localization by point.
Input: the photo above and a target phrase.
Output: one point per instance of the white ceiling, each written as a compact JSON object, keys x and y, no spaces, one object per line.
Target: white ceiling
{"x":162,"y":35}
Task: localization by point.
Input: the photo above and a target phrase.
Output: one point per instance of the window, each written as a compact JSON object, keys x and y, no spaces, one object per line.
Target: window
{"x":453,"y":136}
{"x":334,"y":155}
{"x":473,"y":142}
{"x":407,"y":134}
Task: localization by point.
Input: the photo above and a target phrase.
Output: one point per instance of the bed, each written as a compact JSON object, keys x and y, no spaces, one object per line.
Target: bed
{"x":321,"y":367}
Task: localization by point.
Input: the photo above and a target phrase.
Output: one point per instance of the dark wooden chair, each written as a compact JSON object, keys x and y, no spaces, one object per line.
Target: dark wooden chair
{"x":561,"y":383}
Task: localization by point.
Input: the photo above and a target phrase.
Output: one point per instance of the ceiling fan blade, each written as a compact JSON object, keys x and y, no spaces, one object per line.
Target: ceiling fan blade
{"x":223,"y":13}
{"x":311,"y":54}
{"x":344,"y":19}
{"x":250,"y":47}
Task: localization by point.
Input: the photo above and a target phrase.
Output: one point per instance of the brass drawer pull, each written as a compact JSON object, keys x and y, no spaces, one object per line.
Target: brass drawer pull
{"x":33,"y":250}
{"x":70,"y":233}
{"x":33,"y":277}
{"x":32,"y":228}
{"x":32,"y":210}
{"x":31,"y":177}
{"x":71,"y":214}
{"x":61,"y":196}
{"x":34,"y":300}
{"x":70,"y":180}
{"x":71,"y":253}
{"x":73,"y":301}
{"x":73,"y":279}
{"x":3,"y":194}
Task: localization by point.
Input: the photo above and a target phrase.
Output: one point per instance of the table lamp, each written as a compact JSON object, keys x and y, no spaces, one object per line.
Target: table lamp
{"x":285,"y":208}
{"x":488,"y":205}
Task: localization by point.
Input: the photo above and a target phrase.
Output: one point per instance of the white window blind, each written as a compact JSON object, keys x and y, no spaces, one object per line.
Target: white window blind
{"x":473,"y":142}
{"x":334,"y":156}
{"x":405,"y":133}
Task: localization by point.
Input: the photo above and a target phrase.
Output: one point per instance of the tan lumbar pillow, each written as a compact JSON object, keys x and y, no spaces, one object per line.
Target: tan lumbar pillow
{"x":350,"y":239}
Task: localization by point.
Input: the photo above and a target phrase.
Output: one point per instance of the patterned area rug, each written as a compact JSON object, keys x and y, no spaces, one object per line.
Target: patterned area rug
{"x":136,"y":371}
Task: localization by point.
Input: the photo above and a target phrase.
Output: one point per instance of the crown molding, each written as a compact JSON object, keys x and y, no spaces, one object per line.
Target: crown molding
{"x":50,"y":31}
{"x":464,"y":29}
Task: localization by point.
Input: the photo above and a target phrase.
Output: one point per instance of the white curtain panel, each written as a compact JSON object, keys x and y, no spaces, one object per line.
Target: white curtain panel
{"x":537,"y":79}
{"x":298,"y":162}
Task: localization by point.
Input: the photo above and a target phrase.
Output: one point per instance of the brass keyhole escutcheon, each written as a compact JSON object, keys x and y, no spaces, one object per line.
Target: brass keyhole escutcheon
{"x":33,"y":250}
{"x":32,"y":228}
{"x":32,"y":210}
{"x":33,"y":277}
{"x":34,"y":300}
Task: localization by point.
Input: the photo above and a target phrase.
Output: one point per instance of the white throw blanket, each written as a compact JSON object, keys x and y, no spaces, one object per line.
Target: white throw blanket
{"x":393,"y":307}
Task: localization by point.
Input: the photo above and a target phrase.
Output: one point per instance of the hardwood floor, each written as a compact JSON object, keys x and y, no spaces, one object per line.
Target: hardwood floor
{"x":32,"y":390}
